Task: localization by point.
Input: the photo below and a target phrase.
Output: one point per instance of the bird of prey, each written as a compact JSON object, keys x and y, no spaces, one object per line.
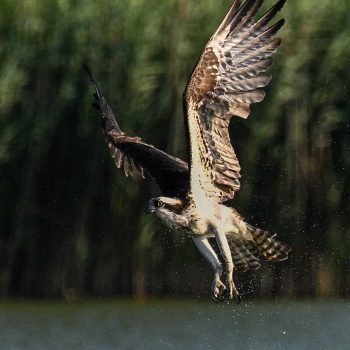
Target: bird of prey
{"x":228,"y":77}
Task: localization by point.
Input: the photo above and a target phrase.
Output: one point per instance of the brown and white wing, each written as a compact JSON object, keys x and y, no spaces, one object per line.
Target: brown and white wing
{"x":135,"y":156}
{"x":227,"y":79}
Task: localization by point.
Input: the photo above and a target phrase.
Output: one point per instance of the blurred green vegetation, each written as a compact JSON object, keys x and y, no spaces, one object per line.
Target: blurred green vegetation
{"x":71,"y":225}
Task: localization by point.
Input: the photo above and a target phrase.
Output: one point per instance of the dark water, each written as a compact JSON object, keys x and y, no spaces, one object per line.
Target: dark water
{"x":175,"y":325}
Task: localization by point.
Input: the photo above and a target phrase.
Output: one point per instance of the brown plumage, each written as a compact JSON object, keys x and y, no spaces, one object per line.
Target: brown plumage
{"x":246,"y":253}
{"x":229,"y":76}
{"x":269,"y":247}
{"x":134,"y":155}
{"x":227,"y":79}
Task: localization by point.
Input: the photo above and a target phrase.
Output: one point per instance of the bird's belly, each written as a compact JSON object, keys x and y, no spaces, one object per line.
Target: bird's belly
{"x":205,"y":216}
{"x":199,"y":227}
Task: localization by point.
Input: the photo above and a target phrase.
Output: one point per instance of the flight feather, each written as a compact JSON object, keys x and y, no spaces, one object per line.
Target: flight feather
{"x":228,"y":78}
{"x":133,"y":155}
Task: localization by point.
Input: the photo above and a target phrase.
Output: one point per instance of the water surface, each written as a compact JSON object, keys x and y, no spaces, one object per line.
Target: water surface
{"x":175,"y":325}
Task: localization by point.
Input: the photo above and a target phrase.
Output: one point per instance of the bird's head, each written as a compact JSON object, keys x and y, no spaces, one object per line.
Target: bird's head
{"x":168,"y":210}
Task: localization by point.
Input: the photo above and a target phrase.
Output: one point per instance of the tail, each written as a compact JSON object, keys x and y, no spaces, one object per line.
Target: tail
{"x":245,"y":253}
{"x":268,"y":246}
{"x":245,"y":256}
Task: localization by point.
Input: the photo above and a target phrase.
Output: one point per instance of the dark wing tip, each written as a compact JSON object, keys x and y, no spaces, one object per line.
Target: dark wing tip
{"x":98,"y":94}
{"x":108,"y":121}
{"x":89,"y":73}
{"x":279,"y":24}
{"x":229,"y":16}
{"x":270,"y":14}
{"x":280,"y":4}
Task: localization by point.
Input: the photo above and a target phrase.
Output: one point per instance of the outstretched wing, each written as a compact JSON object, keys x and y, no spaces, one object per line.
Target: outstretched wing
{"x":134,"y":155}
{"x":227,"y":79}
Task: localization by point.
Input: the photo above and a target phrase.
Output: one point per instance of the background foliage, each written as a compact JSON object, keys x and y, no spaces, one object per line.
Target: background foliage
{"x":71,"y":225}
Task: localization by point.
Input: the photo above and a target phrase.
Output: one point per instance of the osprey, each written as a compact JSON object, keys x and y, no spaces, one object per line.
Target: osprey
{"x":227,"y":78}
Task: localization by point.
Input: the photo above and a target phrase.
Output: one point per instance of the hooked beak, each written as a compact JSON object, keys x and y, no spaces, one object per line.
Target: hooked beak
{"x":149,"y":209}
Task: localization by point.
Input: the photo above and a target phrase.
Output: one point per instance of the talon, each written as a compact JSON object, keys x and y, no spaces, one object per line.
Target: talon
{"x":222,"y":296}
{"x":218,"y":291}
{"x":215,"y":300}
{"x":231,"y":292}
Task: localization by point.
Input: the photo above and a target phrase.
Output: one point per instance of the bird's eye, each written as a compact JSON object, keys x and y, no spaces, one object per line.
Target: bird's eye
{"x":159,"y":204}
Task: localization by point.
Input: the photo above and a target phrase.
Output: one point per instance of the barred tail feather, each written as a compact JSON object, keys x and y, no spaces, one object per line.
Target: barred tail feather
{"x":244,"y":255}
{"x":268,"y":246}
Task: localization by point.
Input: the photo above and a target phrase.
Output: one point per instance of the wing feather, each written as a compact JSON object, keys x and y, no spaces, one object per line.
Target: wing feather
{"x":228,"y":78}
{"x":135,"y":156}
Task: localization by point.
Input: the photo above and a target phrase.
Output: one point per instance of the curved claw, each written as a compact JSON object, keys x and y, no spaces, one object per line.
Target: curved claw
{"x":218,"y":292}
{"x":217,"y":300}
{"x":229,"y":300}
{"x":231,"y":292}
{"x":239,"y":299}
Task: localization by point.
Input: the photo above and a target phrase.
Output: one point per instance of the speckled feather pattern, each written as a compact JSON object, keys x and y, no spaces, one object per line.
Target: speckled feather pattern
{"x":230,"y":75}
{"x":227,"y":79}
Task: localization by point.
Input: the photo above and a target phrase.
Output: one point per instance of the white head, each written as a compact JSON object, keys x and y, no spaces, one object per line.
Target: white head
{"x":168,"y":210}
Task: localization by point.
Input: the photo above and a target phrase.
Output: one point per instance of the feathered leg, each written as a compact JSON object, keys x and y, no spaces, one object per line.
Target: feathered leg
{"x":218,"y":289}
{"x":226,"y":254}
